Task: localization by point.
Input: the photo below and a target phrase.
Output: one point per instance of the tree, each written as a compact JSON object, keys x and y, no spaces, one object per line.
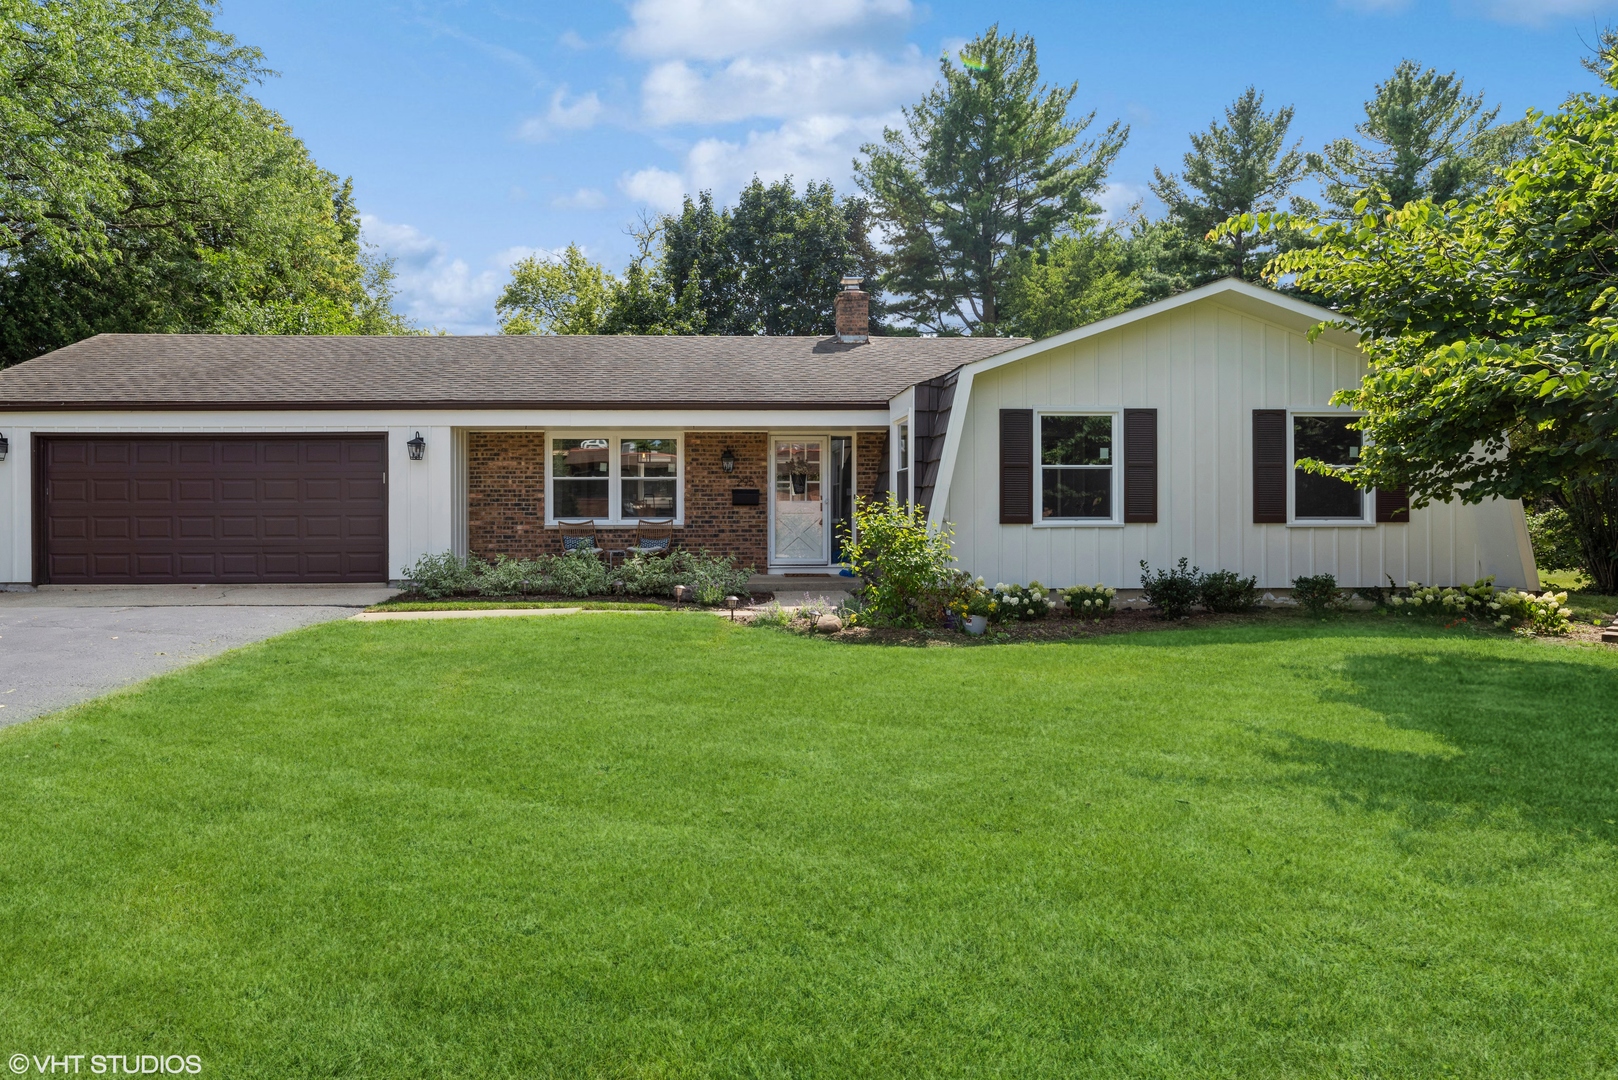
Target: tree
{"x":1491,"y":328}
{"x":1081,"y":275}
{"x":988,"y":166}
{"x":1422,"y":138}
{"x":551,"y":294}
{"x":145,"y":192}
{"x":1242,"y":166}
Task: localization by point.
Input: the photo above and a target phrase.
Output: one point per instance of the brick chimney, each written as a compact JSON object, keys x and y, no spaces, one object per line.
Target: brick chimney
{"x":853,"y":311}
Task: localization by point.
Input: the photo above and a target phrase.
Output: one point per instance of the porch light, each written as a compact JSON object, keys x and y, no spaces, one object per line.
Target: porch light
{"x":417,"y":447}
{"x":727,"y":460}
{"x":5,"y":447}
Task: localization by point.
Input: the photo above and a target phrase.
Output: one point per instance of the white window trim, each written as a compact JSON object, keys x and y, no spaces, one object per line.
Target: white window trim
{"x":1367,"y":518}
{"x":893,"y":458}
{"x":614,"y":477}
{"x":1117,"y":519}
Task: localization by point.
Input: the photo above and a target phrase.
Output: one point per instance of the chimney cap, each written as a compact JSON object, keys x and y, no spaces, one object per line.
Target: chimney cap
{"x":852,"y":282}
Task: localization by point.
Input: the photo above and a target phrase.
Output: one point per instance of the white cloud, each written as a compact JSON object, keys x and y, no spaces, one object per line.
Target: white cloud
{"x":657,"y":188}
{"x":437,"y":290}
{"x":717,"y":29}
{"x":582,"y":199}
{"x":1117,"y":200}
{"x":813,"y":148}
{"x":572,"y":40}
{"x":578,"y":115}
{"x":799,"y":85}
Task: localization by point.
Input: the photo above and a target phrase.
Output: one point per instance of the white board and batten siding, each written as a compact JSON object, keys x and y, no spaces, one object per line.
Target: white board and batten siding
{"x":1205,"y":367}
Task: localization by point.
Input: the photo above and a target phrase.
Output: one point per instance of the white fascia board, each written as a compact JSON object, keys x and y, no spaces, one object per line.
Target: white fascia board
{"x":219,"y":420}
{"x":1246,"y":296}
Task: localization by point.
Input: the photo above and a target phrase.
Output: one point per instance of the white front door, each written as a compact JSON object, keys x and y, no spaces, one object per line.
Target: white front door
{"x":797,"y":501}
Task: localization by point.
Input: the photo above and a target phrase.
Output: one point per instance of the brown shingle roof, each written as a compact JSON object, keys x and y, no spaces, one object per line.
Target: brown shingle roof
{"x":144,"y":371}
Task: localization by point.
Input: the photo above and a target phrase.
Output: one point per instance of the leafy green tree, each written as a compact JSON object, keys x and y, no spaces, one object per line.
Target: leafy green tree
{"x":1492,"y":331}
{"x":1081,"y":275}
{"x":1241,"y":166}
{"x":556,"y":294}
{"x":987,"y":168}
{"x":1422,"y":137}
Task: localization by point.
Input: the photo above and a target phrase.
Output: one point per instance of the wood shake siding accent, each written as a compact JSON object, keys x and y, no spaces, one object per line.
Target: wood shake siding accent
{"x":1269,"y":466}
{"x":934,"y":400}
{"x":1016,"y":466}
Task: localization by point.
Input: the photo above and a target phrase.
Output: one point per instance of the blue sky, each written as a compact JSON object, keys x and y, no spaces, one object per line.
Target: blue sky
{"x":477,"y":131}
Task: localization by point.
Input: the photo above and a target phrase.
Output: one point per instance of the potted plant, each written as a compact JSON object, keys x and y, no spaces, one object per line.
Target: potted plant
{"x":979,"y":608}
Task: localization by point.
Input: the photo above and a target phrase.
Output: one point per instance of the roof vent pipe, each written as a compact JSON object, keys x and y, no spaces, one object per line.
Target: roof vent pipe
{"x":853,"y":312}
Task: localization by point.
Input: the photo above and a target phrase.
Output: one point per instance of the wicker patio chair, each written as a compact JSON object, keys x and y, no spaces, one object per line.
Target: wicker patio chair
{"x":579,"y":536}
{"x":654,"y":536}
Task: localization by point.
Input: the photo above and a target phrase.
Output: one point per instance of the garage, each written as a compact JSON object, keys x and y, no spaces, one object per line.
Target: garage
{"x":166,"y":509}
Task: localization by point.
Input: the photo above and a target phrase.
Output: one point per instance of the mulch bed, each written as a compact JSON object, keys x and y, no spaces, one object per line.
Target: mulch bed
{"x":609,"y":598}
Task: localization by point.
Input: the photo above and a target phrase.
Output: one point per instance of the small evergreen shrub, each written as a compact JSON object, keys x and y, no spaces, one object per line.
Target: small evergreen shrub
{"x":1173,"y":592}
{"x":1224,"y":592}
{"x":1319,"y":594}
{"x":1089,"y":601}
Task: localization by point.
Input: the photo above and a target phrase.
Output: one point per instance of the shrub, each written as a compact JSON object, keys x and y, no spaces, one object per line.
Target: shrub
{"x":648,"y":575}
{"x":511,"y":577}
{"x":906,"y":566}
{"x":1089,"y":601}
{"x":711,"y":577}
{"x":772,"y":615}
{"x":446,"y":574}
{"x":1172,"y":592}
{"x":1319,"y":594}
{"x":1223,"y":591}
{"x":577,"y":573}
{"x":1530,"y":614}
{"x":1021,"y":603}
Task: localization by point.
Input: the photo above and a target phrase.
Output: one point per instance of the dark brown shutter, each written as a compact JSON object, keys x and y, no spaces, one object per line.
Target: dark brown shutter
{"x":1269,"y":466}
{"x":1392,"y":506}
{"x":1016,"y":466}
{"x":1140,"y":466}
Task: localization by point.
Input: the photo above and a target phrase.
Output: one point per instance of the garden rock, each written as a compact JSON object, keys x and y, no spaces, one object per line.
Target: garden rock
{"x":828,"y":624}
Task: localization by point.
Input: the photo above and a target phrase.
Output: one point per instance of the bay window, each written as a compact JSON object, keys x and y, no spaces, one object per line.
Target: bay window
{"x":613,"y":479}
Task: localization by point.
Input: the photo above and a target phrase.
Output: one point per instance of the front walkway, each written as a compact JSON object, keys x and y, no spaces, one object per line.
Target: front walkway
{"x":60,"y":645}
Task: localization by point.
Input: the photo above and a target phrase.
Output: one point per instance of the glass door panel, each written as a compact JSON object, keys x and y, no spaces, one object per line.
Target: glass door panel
{"x":799,"y":532}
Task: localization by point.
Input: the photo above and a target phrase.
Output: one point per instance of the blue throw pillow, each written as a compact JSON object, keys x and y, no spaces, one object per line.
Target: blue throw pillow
{"x":578,"y":543}
{"x":654,"y":545}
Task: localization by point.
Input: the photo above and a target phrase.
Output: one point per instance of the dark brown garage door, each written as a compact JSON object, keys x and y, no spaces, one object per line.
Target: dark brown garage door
{"x":235,"y":509}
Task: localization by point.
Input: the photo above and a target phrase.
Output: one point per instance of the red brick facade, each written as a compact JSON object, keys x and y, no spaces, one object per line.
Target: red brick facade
{"x":505,"y":494}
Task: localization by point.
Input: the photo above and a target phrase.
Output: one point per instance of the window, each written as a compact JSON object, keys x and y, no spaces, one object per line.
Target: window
{"x":901,"y":483}
{"x":648,"y":469}
{"x":1325,"y":498}
{"x":1076,"y":467}
{"x":612,"y":479}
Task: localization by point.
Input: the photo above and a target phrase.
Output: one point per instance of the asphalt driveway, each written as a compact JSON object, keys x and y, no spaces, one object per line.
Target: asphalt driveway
{"x":62,"y":646}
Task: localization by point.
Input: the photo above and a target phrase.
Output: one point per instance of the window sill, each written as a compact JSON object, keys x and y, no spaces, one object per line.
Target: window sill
{"x":1331,"y":524}
{"x":1072,"y":523}
{"x":609,"y":523}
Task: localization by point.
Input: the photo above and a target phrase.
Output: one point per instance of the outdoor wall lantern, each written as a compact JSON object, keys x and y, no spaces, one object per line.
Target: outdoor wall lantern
{"x":727,"y":460}
{"x":5,"y":447}
{"x":417,"y":447}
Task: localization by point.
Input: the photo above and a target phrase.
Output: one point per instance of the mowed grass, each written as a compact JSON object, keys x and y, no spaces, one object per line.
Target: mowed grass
{"x":611,"y":846}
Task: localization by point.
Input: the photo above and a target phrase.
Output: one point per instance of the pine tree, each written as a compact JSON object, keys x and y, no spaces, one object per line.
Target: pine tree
{"x":1422,"y":138}
{"x":988,"y":166}
{"x":1242,"y":166}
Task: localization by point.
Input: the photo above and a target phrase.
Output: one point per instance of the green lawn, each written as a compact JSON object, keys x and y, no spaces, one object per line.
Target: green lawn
{"x":610,"y":846}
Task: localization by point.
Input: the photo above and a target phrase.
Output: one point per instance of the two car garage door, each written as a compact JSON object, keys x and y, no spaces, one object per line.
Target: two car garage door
{"x":166,"y":509}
